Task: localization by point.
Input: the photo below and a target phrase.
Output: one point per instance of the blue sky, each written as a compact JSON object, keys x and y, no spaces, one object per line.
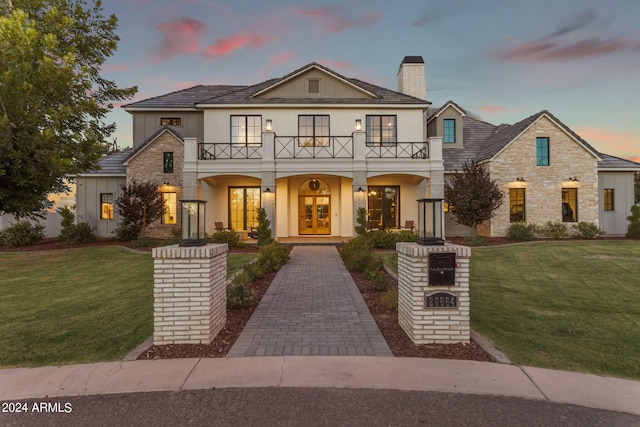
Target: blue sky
{"x":501,"y":60}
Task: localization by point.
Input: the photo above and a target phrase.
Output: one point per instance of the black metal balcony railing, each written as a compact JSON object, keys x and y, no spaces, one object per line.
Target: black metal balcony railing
{"x":330,"y":147}
{"x":398,"y":150}
{"x":224,"y":150}
{"x":333,"y":147}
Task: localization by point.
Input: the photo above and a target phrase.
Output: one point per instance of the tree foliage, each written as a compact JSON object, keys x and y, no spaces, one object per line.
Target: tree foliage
{"x":53,"y":101}
{"x":139,"y":204}
{"x":264,"y":228}
{"x":473,"y":195}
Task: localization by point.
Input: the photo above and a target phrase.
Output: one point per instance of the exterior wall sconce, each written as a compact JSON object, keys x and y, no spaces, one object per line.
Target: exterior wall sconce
{"x":520,"y":179}
{"x":269,"y":125}
{"x":430,"y":220}
{"x":358,"y":125}
{"x":192,"y":223}
{"x":574,"y":179}
{"x":267,"y":190}
{"x":360,"y":190}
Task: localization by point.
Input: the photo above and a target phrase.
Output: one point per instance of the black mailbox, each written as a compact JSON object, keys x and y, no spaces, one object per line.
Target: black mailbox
{"x":442,"y":269}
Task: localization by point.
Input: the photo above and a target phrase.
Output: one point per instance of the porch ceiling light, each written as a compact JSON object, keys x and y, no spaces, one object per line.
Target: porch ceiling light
{"x":358,"y":125}
{"x":269,"y":125}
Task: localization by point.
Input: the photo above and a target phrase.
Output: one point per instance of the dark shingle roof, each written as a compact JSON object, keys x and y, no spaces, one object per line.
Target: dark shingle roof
{"x":152,"y":138}
{"x":112,"y":164}
{"x":475,"y":134}
{"x":186,"y":98}
{"x":612,"y":162}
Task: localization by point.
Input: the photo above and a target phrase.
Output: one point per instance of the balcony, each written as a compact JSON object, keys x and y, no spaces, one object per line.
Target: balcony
{"x":330,"y":147}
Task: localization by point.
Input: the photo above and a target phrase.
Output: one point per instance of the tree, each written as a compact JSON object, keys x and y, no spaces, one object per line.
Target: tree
{"x":139,"y":204}
{"x":264,"y":229}
{"x":473,"y":195}
{"x":53,"y":101}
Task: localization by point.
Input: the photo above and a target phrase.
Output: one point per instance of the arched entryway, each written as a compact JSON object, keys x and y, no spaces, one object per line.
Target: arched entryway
{"x":314,"y":208}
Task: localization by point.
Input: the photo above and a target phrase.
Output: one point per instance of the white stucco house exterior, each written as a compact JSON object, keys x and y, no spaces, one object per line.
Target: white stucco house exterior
{"x":313,"y":146}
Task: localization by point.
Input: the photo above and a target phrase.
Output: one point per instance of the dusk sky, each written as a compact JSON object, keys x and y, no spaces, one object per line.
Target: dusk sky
{"x":501,"y":60}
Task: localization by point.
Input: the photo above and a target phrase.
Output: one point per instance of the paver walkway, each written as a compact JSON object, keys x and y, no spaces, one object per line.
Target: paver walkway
{"x":313,"y":307}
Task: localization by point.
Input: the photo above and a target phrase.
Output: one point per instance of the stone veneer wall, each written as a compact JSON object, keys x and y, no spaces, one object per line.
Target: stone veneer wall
{"x":147,"y":166}
{"x":439,"y":325}
{"x":544,"y":184}
{"x":189,"y":293}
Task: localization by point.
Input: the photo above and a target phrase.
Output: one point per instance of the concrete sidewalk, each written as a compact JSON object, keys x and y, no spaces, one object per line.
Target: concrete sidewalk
{"x":353,"y":372}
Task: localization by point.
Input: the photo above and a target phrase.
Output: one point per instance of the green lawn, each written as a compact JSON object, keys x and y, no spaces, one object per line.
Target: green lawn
{"x":75,"y":306}
{"x":561,"y":305}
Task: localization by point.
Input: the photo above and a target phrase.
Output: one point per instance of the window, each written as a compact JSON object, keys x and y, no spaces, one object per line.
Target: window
{"x":246,"y":130}
{"x":314,"y":86}
{"x":569,"y":205}
{"x":171,"y":121}
{"x":542,"y":151}
{"x":170,"y":213}
{"x":517,"y":205}
{"x":313,"y":131}
{"x":106,"y":205}
{"x":381,"y":130}
{"x":608,"y":199}
{"x":167,"y":161}
{"x":383,"y":206}
{"x":449,"y":136}
{"x":244,"y":203}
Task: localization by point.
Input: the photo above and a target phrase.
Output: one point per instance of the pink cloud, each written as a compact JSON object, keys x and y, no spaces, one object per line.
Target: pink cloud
{"x":616,"y":142}
{"x":344,"y":65}
{"x":492,"y":109}
{"x":179,"y":37}
{"x":280,"y":59}
{"x":227,"y":45}
{"x":335,"y":18}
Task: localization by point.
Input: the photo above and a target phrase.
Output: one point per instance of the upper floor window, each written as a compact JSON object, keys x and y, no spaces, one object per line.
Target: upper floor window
{"x":313,"y":131}
{"x":569,"y":205}
{"x":106,"y":205}
{"x":246,"y":130}
{"x":542,"y":151}
{"x":449,"y":126}
{"x":608,"y":199}
{"x":314,"y":86}
{"x":167,"y":161}
{"x":381,"y":130}
{"x":171,"y":121}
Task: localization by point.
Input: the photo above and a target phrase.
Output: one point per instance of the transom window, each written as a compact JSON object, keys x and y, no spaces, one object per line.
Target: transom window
{"x":542,"y":151}
{"x":171,"y":121}
{"x":106,"y":205}
{"x":608,"y":199}
{"x":246,"y":130}
{"x":381,"y":130}
{"x":170,"y":212}
{"x":449,"y":126}
{"x":313,"y":131}
{"x":517,"y":205}
{"x":569,"y":205}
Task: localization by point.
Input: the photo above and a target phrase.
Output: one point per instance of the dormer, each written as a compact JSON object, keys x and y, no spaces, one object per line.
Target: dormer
{"x":446,"y":122}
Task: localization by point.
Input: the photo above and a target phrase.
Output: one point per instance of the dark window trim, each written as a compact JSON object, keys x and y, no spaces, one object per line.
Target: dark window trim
{"x":609,"y":204}
{"x":162,"y":221}
{"x":314,"y":136}
{"x":569,"y":216}
{"x":244,"y":208}
{"x":172,"y":121}
{"x":383,"y":211}
{"x":369,"y":140}
{"x":112,"y":203}
{"x":245,"y":142}
{"x":540,"y":160}
{"x":167,"y":162}
{"x":444,"y":139}
{"x":517,"y":199}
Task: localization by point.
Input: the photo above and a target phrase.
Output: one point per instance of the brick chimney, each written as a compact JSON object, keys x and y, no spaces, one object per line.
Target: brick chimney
{"x":411,"y":77}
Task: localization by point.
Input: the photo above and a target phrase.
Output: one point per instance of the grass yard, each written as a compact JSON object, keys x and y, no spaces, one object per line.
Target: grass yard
{"x":76,"y":306}
{"x":561,"y":305}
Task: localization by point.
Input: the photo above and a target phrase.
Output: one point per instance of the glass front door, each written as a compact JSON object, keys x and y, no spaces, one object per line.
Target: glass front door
{"x":314,"y":215}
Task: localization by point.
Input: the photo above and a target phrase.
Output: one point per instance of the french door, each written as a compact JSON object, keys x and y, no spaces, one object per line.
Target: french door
{"x":314,"y":215}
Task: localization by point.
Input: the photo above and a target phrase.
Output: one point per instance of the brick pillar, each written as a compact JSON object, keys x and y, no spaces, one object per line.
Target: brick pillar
{"x":442,"y":324}
{"x":189,"y":293}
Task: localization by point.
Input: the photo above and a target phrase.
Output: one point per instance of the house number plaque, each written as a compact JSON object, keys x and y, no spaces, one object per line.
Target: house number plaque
{"x":441,"y":300}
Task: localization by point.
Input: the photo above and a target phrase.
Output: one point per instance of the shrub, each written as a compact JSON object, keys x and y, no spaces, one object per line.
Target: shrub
{"x":75,"y":233}
{"x":405,"y":236}
{"x":272,"y":257}
{"x":229,"y":237}
{"x":361,"y":220}
{"x":373,"y":267}
{"x":586,"y":230}
{"x":356,"y":253}
{"x":382,"y":239}
{"x":238,"y":293}
{"x":263,"y":231}
{"x":255,"y":271}
{"x":555,"y":229}
{"x":390,"y":299}
{"x":521,"y":231}
{"x":143,"y":242}
{"x":22,"y":233}
{"x":633,"y":230}
{"x":475,"y":240}
{"x":126,"y":232}
{"x":380,"y":282}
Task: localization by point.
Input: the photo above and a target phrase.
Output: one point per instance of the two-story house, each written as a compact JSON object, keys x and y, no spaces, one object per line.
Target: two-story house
{"x":313,"y":146}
